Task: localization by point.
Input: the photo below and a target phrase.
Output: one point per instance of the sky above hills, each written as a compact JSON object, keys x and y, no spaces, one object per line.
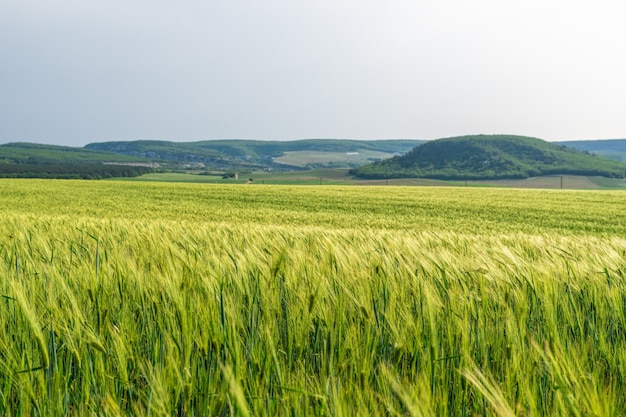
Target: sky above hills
{"x":80,"y":71}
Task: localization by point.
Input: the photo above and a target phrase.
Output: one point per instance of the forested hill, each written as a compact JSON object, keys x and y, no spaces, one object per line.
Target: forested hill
{"x":490,"y":157}
{"x":257,"y":153}
{"x":30,"y":160}
{"x":33,"y":153}
{"x":609,"y":148}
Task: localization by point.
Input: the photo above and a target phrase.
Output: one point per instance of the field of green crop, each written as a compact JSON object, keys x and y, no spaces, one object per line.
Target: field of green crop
{"x":304,"y":158}
{"x":124,"y":298}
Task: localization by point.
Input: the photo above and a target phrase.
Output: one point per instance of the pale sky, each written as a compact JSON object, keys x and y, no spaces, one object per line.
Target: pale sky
{"x":79,"y":71}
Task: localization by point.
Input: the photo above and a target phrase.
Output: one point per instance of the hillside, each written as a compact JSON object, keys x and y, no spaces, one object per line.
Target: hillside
{"x":29,"y":160}
{"x":32,"y":153}
{"x":256,"y":154}
{"x":483,"y":157}
{"x":106,"y":159}
{"x":608,"y":148}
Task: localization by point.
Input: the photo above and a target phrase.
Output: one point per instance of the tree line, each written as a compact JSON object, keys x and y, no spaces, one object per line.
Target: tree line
{"x":71,"y":171}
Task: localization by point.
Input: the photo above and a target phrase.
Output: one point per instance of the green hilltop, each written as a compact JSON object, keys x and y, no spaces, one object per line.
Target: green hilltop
{"x":482,"y":157}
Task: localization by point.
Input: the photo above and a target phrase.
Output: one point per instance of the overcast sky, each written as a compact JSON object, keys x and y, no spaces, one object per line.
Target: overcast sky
{"x":79,"y":71}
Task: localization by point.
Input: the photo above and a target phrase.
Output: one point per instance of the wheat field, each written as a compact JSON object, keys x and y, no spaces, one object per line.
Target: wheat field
{"x":195,"y":300}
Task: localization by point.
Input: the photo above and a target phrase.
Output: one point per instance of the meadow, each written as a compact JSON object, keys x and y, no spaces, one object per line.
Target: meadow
{"x":342,"y":177}
{"x":137,"y":298}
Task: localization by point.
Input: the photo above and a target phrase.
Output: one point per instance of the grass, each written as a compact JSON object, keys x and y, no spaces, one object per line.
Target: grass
{"x":174,"y":177}
{"x":355,"y":158}
{"x":121,"y":298}
{"x":561,"y":181}
{"x":341,"y":177}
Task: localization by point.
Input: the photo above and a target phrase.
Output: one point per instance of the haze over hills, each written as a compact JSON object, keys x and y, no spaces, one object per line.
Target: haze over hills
{"x":482,"y":157}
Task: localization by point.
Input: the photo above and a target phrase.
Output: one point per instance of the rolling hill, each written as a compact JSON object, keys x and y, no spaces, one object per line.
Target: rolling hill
{"x":608,"y":148}
{"x":29,"y":160}
{"x":483,"y":157}
{"x":24,"y":153}
{"x":104,"y":159}
{"x":468,"y":157}
{"x":257,"y":154}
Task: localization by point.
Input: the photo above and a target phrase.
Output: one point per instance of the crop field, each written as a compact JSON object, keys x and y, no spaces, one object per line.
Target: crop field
{"x":141,"y":298}
{"x":342,"y":177}
{"x":304,"y":158}
{"x":561,"y":181}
